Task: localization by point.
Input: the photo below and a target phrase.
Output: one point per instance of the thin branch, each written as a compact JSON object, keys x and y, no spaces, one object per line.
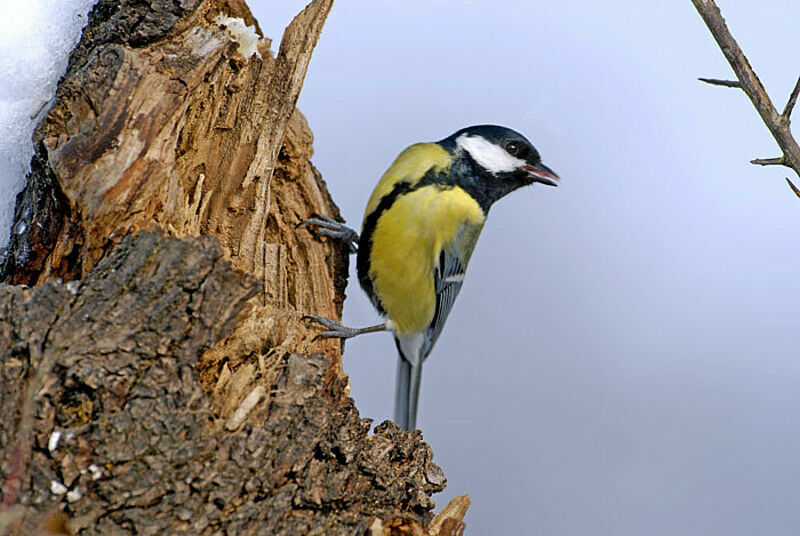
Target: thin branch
{"x":793,"y":187}
{"x":779,"y":161}
{"x":724,"y":83}
{"x":777,"y":124}
{"x":791,"y":102}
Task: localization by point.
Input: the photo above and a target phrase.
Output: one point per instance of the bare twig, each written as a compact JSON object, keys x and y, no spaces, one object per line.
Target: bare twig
{"x":778,"y":124}
{"x":792,"y":100}
{"x":779,"y":161}
{"x":724,"y":83}
{"x":793,"y":187}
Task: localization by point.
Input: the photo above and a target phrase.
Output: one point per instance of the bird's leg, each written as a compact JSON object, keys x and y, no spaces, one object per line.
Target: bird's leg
{"x":326,"y":226}
{"x":336,"y":330}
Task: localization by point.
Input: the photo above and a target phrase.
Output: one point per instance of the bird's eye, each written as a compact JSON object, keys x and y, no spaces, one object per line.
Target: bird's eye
{"x":512,"y":148}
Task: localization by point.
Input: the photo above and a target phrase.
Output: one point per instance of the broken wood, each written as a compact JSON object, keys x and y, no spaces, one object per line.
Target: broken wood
{"x":157,"y":377}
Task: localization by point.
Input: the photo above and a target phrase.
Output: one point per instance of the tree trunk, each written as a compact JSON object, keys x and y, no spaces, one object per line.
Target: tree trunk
{"x":158,"y":377}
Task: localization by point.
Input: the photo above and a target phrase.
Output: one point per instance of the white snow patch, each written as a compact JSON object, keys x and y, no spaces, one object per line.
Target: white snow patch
{"x":36,"y":37}
{"x":245,"y":36}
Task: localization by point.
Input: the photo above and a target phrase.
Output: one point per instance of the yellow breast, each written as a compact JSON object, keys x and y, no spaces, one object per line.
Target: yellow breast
{"x":409,"y":167}
{"x":406,"y":244}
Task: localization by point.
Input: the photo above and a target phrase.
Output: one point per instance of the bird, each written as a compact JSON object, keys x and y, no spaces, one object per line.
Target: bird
{"x":420,"y":227}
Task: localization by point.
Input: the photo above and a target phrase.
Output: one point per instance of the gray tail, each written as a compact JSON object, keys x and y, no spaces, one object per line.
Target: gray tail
{"x":407,"y":393}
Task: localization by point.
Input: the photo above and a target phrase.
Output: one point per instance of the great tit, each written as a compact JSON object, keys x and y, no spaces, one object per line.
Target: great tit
{"x":420,"y":227}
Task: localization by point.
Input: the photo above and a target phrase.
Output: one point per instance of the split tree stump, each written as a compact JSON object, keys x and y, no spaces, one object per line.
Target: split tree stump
{"x":155,"y":374}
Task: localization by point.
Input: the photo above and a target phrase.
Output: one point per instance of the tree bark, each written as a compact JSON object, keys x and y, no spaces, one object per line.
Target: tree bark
{"x":158,"y":377}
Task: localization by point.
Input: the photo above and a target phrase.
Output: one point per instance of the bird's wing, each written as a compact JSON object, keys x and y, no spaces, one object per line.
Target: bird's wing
{"x":448,"y":276}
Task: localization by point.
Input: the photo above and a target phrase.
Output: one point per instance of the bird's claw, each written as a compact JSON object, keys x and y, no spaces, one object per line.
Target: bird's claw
{"x":327,"y":322}
{"x":335,"y":329}
{"x":326,"y":226}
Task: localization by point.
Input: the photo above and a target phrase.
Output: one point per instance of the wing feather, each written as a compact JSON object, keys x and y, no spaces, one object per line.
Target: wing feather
{"x":448,"y":275}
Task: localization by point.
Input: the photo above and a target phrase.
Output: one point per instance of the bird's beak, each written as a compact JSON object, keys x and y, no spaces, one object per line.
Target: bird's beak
{"x":543,"y":174}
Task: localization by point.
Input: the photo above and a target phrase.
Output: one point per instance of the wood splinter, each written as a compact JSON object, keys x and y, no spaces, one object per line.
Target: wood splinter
{"x":250,"y":401}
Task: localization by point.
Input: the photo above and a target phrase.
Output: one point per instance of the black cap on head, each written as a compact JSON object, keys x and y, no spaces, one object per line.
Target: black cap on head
{"x":501,"y":151}
{"x":502,"y":137}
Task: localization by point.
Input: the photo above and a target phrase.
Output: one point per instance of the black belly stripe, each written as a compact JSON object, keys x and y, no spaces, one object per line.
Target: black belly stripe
{"x":371,"y":220}
{"x":464,"y":173}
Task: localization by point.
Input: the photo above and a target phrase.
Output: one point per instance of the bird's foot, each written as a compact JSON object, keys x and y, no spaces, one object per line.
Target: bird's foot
{"x":325,"y":226}
{"x":338,"y":331}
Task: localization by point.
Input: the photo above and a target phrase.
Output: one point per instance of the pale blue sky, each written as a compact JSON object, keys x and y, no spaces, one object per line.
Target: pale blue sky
{"x":624,"y":358}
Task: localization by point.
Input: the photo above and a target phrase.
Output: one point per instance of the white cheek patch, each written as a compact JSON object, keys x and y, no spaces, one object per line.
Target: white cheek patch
{"x":488,"y":155}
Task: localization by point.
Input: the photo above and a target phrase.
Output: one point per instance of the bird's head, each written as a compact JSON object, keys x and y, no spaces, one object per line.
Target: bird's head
{"x":491,"y":161}
{"x":503,"y":154}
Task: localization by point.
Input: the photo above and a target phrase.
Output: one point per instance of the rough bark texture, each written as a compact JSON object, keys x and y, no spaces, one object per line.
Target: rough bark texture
{"x":186,"y":394}
{"x":141,"y":450}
